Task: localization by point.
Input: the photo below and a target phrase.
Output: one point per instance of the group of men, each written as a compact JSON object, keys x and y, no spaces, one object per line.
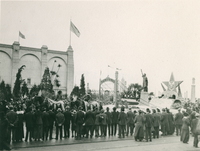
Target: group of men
{"x":93,"y":123}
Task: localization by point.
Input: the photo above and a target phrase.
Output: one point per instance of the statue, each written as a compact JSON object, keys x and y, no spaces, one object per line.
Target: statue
{"x":145,"y":83}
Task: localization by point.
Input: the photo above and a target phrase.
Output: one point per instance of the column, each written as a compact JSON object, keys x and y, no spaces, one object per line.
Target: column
{"x":44,"y":51}
{"x":70,"y":70}
{"x":15,"y":62}
{"x":116,"y":88}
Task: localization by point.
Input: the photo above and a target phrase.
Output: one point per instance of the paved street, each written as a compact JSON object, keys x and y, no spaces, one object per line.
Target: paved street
{"x":168,"y":143}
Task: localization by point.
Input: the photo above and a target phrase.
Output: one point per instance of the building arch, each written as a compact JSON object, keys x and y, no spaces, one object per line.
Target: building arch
{"x":32,"y":71}
{"x":6,"y":53}
{"x":6,"y":67}
{"x":31,"y":55}
{"x":54,"y":57}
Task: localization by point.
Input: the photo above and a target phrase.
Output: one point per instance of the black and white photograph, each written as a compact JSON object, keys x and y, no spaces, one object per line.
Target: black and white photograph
{"x":106,"y":75}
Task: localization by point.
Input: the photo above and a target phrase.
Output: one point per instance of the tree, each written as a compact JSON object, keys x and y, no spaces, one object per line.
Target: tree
{"x":34,"y":90}
{"x":18,"y":81}
{"x":2,"y":91}
{"x":82,"y":86}
{"x":8,"y":92}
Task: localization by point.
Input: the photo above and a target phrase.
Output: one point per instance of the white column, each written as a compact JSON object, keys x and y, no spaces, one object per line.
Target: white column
{"x":193,"y":90}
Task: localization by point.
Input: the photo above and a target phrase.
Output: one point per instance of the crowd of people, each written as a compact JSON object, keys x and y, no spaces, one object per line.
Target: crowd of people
{"x":142,"y":126}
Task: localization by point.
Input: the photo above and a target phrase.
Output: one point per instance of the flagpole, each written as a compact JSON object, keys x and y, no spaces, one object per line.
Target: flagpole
{"x":18,"y":38}
{"x":70,"y":33}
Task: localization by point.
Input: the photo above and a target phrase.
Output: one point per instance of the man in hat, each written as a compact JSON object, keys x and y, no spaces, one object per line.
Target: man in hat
{"x":68,"y":117}
{"x":178,"y":122}
{"x":195,"y":130}
{"x":156,"y":124}
{"x":103,"y":123}
{"x":122,"y":118}
{"x":130,"y":122}
{"x":89,"y":122}
{"x":148,"y":118}
{"x":114,"y":121}
{"x":29,"y":119}
{"x":51,"y":121}
{"x":12,"y":118}
{"x":164,"y":122}
{"x":79,"y":120}
{"x":109,"y":121}
{"x":60,"y":119}
{"x":45,"y":120}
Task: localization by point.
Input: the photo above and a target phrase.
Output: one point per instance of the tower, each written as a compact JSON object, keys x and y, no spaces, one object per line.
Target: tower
{"x":193,"y":90}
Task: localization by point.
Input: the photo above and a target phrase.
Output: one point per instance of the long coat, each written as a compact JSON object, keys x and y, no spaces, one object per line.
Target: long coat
{"x":178,"y":118}
{"x":139,"y":123}
{"x":45,"y":119}
{"x":68,"y":117}
{"x":130,"y":117}
{"x":29,"y":119}
{"x":114,"y":117}
{"x":156,"y":122}
{"x":89,"y":118}
{"x":122,"y":118}
{"x":12,"y":117}
{"x":79,"y":119}
{"x":109,"y":117}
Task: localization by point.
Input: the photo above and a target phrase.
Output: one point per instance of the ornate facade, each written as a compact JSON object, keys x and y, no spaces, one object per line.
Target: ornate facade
{"x":12,"y":57}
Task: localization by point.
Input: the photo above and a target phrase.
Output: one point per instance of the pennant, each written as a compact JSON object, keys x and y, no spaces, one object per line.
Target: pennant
{"x":74,"y":29}
{"x":21,"y":35}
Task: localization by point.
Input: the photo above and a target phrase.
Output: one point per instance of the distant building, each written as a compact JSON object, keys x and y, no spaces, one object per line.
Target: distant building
{"x":12,"y":57}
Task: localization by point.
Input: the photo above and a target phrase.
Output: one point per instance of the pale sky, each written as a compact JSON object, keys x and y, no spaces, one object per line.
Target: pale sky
{"x":157,"y":36}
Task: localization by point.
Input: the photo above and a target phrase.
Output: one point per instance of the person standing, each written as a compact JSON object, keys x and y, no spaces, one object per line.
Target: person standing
{"x":97,"y":124}
{"x":89,"y":122}
{"x":51,"y":122}
{"x":60,"y":119}
{"x":164,"y":122}
{"x":130,"y":122}
{"x":194,"y":125}
{"x":3,"y":132}
{"x":178,"y":122}
{"x":79,"y":120}
{"x":185,"y":128}
{"x":156,"y":124}
{"x":45,"y":121}
{"x":12,"y":118}
{"x":29,"y":119}
{"x":171,"y":122}
{"x":103,"y":123}
{"x":139,"y":130}
{"x":68,"y":117}
{"x":148,"y":124}
{"x":122,"y":122}
{"x":114,"y":121}
{"x":73,"y":126}
{"x":109,"y":121}
{"x":38,"y":122}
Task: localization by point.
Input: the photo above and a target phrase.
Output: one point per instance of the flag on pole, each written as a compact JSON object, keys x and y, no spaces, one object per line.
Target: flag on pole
{"x":74,"y":29}
{"x":21,"y":35}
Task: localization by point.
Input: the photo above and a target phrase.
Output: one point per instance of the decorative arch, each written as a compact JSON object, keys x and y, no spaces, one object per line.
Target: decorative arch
{"x":31,"y":55}
{"x":59,"y":58}
{"x":107,"y":79}
{"x":6,"y":53}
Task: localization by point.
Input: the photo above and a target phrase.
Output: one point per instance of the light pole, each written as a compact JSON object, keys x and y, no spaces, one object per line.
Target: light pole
{"x":116,"y":84}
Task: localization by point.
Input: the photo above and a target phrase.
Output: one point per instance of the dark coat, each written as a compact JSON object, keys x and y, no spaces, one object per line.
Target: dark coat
{"x":38,"y":117}
{"x":60,"y":118}
{"x":156,"y":117}
{"x":114,"y":117}
{"x":109,"y":117}
{"x":68,"y":117}
{"x":12,"y":117}
{"x":130,"y":117}
{"x":45,"y":119}
{"x":51,"y":118}
{"x":29,"y":119}
{"x":122,"y":118}
{"x":79,"y":119}
{"x":89,"y":118}
{"x":149,"y":120}
{"x":178,"y":119}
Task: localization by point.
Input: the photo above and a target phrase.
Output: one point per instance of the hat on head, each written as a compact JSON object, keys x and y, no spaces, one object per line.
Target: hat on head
{"x":135,"y":111}
{"x":107,"y":108}
{"x":197,"y":115}
{"x":59,"y":110}
{"x":148,"y":110}
{"x":185,"y":114}
{"x":114,"y":108}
